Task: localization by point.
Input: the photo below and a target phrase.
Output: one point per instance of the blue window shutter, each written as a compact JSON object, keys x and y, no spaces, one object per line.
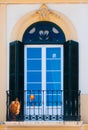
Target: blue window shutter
{"x":71,"y":80}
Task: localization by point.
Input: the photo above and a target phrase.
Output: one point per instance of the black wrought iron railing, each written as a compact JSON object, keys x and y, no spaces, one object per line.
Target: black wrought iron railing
{"x":45,"y":105}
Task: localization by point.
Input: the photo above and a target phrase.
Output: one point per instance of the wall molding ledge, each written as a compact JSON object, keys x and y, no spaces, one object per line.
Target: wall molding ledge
{"x":42,"y":1}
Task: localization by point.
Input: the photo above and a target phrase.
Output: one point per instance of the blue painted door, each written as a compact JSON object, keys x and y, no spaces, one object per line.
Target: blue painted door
{"x":43,"y":80}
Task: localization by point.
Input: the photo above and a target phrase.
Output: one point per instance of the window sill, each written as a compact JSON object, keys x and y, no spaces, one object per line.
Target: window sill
{"x":44,"y":123}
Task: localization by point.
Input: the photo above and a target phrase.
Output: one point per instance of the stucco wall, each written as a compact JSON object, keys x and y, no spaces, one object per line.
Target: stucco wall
{"x":3,"y":64}
{"x":76,"y":13}
{"x":84,"y":107}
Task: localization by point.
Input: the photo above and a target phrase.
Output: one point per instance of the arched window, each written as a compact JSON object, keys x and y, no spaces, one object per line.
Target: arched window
{"x":44,"y":66}
{"x":43,"y":32}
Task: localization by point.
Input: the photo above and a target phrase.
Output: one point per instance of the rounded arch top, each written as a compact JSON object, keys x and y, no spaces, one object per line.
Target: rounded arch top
{"x":44,"y":14}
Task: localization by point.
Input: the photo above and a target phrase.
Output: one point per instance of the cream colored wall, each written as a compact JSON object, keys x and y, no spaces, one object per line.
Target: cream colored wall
{"x":84,"y":108}
{"x":3,"y":62}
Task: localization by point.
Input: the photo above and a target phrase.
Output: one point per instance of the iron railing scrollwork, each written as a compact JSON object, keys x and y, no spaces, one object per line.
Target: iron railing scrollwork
{"x":55,"y":105}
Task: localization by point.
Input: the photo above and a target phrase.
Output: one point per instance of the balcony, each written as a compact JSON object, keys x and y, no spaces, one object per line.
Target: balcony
{"x":45,"y":105}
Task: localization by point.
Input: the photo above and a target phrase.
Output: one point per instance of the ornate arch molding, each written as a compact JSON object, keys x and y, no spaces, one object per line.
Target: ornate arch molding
{"x":44,"y":14}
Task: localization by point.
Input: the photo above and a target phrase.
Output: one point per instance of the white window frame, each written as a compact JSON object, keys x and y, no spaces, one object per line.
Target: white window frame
{"x":43,"y":47}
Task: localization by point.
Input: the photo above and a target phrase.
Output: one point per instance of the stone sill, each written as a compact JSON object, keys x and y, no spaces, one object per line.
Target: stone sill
{"x":44,"y":123}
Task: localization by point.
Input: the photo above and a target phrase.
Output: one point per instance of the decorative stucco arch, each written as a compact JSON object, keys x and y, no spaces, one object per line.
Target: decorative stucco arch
{"x":44,"y":14}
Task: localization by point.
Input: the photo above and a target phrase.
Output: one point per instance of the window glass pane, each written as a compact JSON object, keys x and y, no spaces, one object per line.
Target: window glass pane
{"x":33,"y":52}
{"x":53,"y":64}
{"x":53,"y":86}
{"x":33,"y":76}
{"x":35,"y":87}
{"x":53,"y":76}
{"x":36,"y":102}
{"x":34,"y":65}
{"x":54,"y":100}
{"x":53,"y":52}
